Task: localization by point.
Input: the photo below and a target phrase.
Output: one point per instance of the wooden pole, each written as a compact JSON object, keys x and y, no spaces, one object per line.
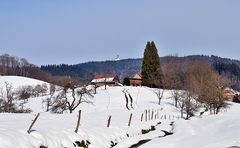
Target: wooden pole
{"x":142,"y":117}
{"x":35,"y":119}
{"x":152,"y":115}
{"x":78,"y":121}
{"x":146,"y":115}
{"x":109,"y":121}
{"x":130,"y":119}
{"x":149,"y":114}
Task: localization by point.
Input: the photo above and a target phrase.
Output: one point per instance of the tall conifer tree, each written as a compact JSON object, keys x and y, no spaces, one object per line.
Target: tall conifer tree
{"x":151,"y":64}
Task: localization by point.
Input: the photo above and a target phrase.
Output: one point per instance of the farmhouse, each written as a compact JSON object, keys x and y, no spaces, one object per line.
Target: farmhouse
{"x":106,"y":79}
{"x":136,"y":80}
{"x":229,"y":94}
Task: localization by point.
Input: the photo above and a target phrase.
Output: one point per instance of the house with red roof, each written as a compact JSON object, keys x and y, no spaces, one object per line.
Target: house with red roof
{"x":105,"y":79}
{"x":136,"y":80}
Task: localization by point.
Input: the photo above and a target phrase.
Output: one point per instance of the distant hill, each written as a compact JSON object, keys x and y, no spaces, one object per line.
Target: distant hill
{"x":86,"y":71}
{"x":128,"y":67}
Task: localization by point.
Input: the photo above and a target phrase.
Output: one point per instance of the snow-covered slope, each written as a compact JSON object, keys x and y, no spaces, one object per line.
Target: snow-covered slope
{"x":57,"y":130}
{"x":18,"y":81}
{"x":215,"y":131}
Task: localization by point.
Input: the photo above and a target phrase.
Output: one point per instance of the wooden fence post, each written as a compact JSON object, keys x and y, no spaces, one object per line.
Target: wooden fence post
{"x":152,"y":115}
{"x":146,"y":115}
{"x":142,"y":117}
{"x":109,"y":121}
{"x":149,"y":114}
{"x":78,"y":121}
{"x":35,"y":119}
{"x":130,"y":119}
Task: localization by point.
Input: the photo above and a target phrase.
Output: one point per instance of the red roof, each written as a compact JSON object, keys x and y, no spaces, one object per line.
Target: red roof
{"x":98,"y":76}
{"x":139,"y":74}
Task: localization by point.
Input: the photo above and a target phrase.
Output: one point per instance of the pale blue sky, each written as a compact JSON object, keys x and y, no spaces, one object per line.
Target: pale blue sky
{"x":75,"y":31}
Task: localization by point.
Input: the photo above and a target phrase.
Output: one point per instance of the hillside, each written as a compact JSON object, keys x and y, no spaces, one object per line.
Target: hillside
{"x":128,"y":67}
{"x":57,"y":130}
{"x":17,"y":81}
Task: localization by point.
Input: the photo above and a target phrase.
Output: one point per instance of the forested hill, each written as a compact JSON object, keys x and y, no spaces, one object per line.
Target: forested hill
{"x":128,"y":67}
{"x":86,"y":71}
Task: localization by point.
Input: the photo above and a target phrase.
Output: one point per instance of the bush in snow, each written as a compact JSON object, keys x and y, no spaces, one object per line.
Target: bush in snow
{"x":71,"y":97}
{"x":11,"y":101}
{"x":40,"y":90}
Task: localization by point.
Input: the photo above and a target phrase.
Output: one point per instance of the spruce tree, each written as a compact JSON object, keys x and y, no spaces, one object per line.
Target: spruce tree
{"x":150,"y":65}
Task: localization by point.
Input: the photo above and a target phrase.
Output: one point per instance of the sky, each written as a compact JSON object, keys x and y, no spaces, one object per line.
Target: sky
{"x":76,"y":31}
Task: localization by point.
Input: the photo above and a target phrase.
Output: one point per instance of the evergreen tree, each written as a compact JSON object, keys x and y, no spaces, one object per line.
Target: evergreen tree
{"x":150,"y":65}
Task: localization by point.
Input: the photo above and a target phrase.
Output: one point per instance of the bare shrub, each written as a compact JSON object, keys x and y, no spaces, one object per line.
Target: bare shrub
{"x":207,"y":85}
{"x":71,"y":97}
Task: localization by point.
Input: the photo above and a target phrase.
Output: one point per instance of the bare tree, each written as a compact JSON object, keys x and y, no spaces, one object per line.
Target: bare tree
{"x":207,"y":84}
{"x":7,"y":104}
{"x":188,"y":104}
{"x":174,"y":76}
{"x":159,"y":93}
{"x":72,"y":96}
{"x":79,"y":96}
{"x":176,"y":94}
{"x":159,"y":83}
{"x":58,"y":103}
{"x":49,"y":101}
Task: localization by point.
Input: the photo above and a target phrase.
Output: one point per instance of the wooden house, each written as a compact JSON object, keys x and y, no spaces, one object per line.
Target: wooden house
{"x":136,"y":80}
{"x":105,"y":79}
{"x":229,"y":94}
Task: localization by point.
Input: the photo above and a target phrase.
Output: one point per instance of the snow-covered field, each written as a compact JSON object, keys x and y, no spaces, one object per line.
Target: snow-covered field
{"x":57,"y":130}
{"x":20,"y":81}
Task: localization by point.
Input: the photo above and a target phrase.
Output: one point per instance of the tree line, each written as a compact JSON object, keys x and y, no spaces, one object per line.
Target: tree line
{"x":194,"y":84}
{"x":11,"y":65}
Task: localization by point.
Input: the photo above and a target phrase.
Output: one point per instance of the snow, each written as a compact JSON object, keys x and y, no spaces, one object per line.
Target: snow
{"x":101,"y":80}
{"x":18,"y":81}
{"x":213,"y":131}
{"x":57,"y":130}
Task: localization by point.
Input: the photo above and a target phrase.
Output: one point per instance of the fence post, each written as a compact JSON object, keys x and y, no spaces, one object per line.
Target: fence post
{"x":35,"y":119}
{"x":109,"y":121}
{"x":130,"y":119}
{"x":146,"y":115}
{"x":142,"y":117}
{"x":78,"y":121}
{"x":149,"y":116}
{"x":152,"y":115}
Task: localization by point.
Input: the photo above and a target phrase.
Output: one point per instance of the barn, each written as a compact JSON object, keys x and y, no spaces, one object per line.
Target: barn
{"x":106,"y":79}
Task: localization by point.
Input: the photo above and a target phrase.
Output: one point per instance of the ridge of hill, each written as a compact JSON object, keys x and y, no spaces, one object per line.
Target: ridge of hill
{"x":128,"y":67}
